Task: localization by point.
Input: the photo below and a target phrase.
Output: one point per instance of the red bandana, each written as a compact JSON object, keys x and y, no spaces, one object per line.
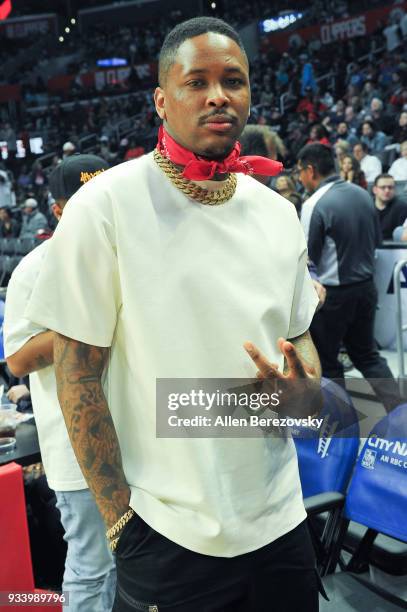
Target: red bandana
{"x":198,"y":169}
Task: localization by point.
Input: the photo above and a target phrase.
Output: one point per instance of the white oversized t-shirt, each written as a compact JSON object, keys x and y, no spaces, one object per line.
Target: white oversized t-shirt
{"x":176,"y":288}
{"x":60,"y":464}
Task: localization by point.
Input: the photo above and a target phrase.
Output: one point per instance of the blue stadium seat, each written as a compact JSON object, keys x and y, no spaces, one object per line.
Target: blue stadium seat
{"x":326,"y":457}
{"x":377,"y":499}
{"x":377,"y":495}
{"x":8,"y":246}
{"x":7,"y":265}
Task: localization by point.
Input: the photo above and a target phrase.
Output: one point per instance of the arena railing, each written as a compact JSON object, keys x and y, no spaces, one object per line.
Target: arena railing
{"x":400,"y":326}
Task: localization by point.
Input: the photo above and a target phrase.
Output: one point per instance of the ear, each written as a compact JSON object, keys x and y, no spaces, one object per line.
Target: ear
{"x":159,"y":101}
{"x":374,"y":190}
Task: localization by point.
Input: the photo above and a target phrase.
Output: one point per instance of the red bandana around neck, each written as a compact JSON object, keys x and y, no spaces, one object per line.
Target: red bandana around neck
{"x":198,"y":169}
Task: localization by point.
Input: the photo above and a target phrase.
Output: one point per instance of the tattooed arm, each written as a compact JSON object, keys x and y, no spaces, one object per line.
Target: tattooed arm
{"x":307,"y":352}
{"x":36,"y":354}
{"x":79,"y":368}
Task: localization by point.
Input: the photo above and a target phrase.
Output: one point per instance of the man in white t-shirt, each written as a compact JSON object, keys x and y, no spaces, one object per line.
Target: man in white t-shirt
{"x":177,"y":262}
{"x":89,"y":575}
{"x":370,"y":165}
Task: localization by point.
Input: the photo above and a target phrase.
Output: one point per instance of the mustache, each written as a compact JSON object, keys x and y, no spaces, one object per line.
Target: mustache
{"x":218,"y":113}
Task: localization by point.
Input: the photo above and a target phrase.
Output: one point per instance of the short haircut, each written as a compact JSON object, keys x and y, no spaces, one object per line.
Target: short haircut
{"x":382,"y":176}
{"x":364,"y":146}
{"x":368,"y":122}
{"x":318,"y":156}
{"x":190,"y":29}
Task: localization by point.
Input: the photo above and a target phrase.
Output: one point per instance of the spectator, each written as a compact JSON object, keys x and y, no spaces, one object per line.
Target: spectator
{"x":261,"y":140}
{"x":391,"y":210}
{"x":351,"y":119}
{"x":338,"y":112}
{"x":8,"y":134}
{"x":307,"y":74}
{"x":318,"y":133}
{"x":342,"y":148}
{"x":89,"y":569}
{"x":399,"y":99}
{"x":285,"y":186}
{"x":6,"y":194}
{"x":369,"y":93}
{"x":309,"y":106}
{"x":33,"y":219}
{"x":403,"y":26}
{"x":369,"y":164}
{"x":24,"y":178}
{"x":400,"y":233}
{"x":68,"y":149}
{"x":9,"y":227}
{"x":391,"y":34}
{"x":343,"y":133}
{"x":355,"y":75}
{"x":375,"y":141}
{"x":381,"y":120}
{"x":343,"y":234}
{"x":398,"y":169}
{"x":134,"y":150}
{"x":400,"y":132}
{"x":350,"y":171}
{"x":189,"y":520}
{"x":38,"y":178}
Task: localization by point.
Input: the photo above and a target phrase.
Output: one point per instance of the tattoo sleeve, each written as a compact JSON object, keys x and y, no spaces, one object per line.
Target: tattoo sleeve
{"x":79,"y":368}
{"x":307,"y":351}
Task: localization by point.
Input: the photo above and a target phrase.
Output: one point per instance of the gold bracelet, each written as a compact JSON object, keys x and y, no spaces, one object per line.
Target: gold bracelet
{"x":113,"y":531}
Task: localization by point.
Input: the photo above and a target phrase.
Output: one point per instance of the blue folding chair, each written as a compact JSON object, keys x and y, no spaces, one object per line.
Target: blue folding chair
{"x":326,"y":457}
{"x":377,"y":499}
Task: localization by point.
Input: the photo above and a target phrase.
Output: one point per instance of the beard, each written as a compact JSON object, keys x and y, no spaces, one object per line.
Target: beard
{"x":216,"y":153}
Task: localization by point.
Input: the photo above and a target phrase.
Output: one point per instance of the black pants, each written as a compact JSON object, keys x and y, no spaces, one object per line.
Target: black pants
{"x":155,"y":574}
{"x":348,"y":317}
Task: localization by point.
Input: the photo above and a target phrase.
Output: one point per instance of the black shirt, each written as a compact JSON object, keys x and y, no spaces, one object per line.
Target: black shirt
{"x":392,"y":216}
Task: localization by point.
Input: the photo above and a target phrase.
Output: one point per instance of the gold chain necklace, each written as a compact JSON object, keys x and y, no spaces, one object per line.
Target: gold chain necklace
{"x":190,"y":189}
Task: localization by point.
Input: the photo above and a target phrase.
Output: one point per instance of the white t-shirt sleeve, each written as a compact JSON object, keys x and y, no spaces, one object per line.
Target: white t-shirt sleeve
{"x":17,"y":329}
{"x":305,"y":299}
{"x":77,"y":293}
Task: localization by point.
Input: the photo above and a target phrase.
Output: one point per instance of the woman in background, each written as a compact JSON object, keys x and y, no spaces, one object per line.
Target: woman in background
{"x":285,"y":186}
{"x":351,"y":172}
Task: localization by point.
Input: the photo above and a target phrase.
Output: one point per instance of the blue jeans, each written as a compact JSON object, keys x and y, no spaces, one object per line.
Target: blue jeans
{"x":90,"y":572}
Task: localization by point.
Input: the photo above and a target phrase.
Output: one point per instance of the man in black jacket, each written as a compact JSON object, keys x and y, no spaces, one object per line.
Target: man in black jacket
{"x":343,"y":232}
{"x":391,"y":210}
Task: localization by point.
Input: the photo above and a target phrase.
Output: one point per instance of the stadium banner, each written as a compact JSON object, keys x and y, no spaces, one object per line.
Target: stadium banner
{"x":99,"y":79}
{"x":361,"y":24}
{"x":20,"y":27}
